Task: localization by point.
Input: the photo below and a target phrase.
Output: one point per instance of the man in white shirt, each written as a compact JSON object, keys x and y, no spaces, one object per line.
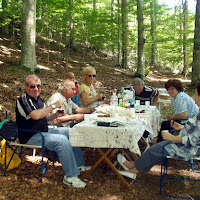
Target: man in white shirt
{"x":73,"y":113}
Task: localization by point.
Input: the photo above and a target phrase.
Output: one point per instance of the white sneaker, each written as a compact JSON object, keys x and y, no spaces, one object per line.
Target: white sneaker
{"x":74,"y":182}
{"x":84,"y":168}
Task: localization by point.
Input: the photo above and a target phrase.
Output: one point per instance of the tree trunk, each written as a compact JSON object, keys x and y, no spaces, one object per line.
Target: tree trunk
{"x":153,"y":33}
{"x":185,"y":37}
{"x":71,"y":24}
{"x":119,"y":34}
{"x":141,"y":62}
{"x":28,"y":35}
{"x":196,"y":49}
{"x":112,"y":24}
{"x":125,"y":34}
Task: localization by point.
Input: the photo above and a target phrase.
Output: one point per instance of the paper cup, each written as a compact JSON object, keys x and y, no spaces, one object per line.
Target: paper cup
{"x":163,"y":131}
{"x":147,"y":103}
{"x":137,"y":102}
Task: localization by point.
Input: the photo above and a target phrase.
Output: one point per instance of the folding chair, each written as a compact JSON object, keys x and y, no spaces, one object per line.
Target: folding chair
{"x":164,"y":175}
{"x":16,"y":145}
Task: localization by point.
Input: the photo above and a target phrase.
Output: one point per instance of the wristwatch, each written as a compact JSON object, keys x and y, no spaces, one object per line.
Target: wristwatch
{"x":53,"y":106}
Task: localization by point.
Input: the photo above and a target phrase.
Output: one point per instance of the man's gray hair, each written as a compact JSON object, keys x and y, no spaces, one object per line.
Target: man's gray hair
{"x":65,"y":83}
{"x":31,"y":76}
{"x":137,"y":81}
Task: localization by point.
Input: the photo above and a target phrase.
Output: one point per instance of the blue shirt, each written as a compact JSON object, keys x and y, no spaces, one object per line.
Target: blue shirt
{"x":184,"y":103}
{"x":190,"y":139}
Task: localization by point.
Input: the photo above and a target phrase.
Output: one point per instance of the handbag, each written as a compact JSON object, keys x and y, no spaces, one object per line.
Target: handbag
{"x":8,"y":130}
{"x":15,"y":162}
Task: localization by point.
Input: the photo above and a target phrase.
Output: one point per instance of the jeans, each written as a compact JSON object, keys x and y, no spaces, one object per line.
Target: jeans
{"x":57,"y":140}
{"x":152,"y":156}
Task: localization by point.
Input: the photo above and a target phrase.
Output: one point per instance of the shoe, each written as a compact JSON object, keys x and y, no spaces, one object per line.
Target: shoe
{"x":121,"y":159}
{"x":74,"y":182}
{"x":128,"y":174}
{"x":84,"y":168}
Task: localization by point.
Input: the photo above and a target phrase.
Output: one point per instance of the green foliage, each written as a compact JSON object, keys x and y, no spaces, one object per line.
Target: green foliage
{"x":98,"y":29}
{"x":18,"y":69}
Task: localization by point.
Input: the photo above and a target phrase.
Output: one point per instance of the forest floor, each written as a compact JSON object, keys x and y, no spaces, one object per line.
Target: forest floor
{"x":102,"y":184}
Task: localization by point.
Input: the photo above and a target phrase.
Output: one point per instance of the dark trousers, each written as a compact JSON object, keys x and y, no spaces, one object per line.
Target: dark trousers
{"x":166,"y":126}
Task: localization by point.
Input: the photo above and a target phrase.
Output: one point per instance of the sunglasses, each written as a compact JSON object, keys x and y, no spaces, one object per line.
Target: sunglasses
{"x":33,"y":86}
{"x":92,"y":75}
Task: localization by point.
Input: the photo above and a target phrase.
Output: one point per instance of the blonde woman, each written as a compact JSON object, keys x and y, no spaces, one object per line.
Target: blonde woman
{"x":88,"y":96}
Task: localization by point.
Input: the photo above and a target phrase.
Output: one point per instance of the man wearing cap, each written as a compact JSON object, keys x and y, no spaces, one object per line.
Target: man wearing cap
{"x":144,"y":92}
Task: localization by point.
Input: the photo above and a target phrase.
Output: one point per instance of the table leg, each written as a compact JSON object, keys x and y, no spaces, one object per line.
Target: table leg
{"x":114,"y":169}
{"x":104,"y":157}
{"x":96,"y":164}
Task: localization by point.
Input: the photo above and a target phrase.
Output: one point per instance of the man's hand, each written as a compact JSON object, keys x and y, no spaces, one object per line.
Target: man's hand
{"x":78,"y":117}
{"x":59,"y":113}
{"x":58,"y":104}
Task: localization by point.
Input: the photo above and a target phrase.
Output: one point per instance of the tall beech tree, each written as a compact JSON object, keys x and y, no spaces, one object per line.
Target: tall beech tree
{"x":196,"y":49}
{"x":28,"y":35}
{"x":141,"y":40}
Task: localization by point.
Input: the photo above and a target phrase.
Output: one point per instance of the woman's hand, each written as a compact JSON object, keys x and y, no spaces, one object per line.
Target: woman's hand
{"x":167,"y":136}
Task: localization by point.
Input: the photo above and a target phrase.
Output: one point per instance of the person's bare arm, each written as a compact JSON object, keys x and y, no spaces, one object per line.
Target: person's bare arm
{"x":44,"y":112}
{"x":178,"y":116}
{"x":84,"y":110}
{"x":87,"y":101}
{"x":170,"y":137}
{"x":67,"y":118}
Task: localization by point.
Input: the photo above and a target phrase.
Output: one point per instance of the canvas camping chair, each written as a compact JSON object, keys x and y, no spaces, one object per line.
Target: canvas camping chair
{"x":164,"y":176}
{"x":16,"y":145}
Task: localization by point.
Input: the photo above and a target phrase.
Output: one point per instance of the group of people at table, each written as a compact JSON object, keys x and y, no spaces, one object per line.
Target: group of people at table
{"x":60,"y":110}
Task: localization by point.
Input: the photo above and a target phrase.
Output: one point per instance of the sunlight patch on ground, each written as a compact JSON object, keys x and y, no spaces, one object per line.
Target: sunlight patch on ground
{"x":38,"y":160}
{"x":43,"y":67}
{"x":4,"y":85}
{"x":1,"y":107}
{"x":107,"y":197}
{"x":165,"y":79}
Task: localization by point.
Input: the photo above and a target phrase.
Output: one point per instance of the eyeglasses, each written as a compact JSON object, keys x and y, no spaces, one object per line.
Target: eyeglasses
{"x":92,"y":75}
{"x":33,"y":86}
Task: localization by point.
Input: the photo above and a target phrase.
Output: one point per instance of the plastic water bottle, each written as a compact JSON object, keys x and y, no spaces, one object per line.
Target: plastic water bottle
{"x":132,"y":98}
{"x":114,"y":100}
{"x":126,"y":100}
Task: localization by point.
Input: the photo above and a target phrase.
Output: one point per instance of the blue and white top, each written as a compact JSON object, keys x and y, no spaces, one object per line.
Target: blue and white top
{"x":190,"y":140}
{"x":184,"y":103}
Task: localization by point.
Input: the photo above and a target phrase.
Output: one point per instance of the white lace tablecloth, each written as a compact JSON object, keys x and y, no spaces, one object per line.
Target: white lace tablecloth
{"x":88,"y":134}
{"x":151,"y":118}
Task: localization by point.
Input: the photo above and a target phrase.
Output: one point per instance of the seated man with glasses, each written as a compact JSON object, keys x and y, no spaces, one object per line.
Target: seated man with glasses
{"x":32,"y":114}
{"x":72,"y":113}
{"x":88,"y":96}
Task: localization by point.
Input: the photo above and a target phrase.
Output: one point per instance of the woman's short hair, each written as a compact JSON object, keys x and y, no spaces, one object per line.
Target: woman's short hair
{"x":88,"y":69}
{"x":174,"y":83}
